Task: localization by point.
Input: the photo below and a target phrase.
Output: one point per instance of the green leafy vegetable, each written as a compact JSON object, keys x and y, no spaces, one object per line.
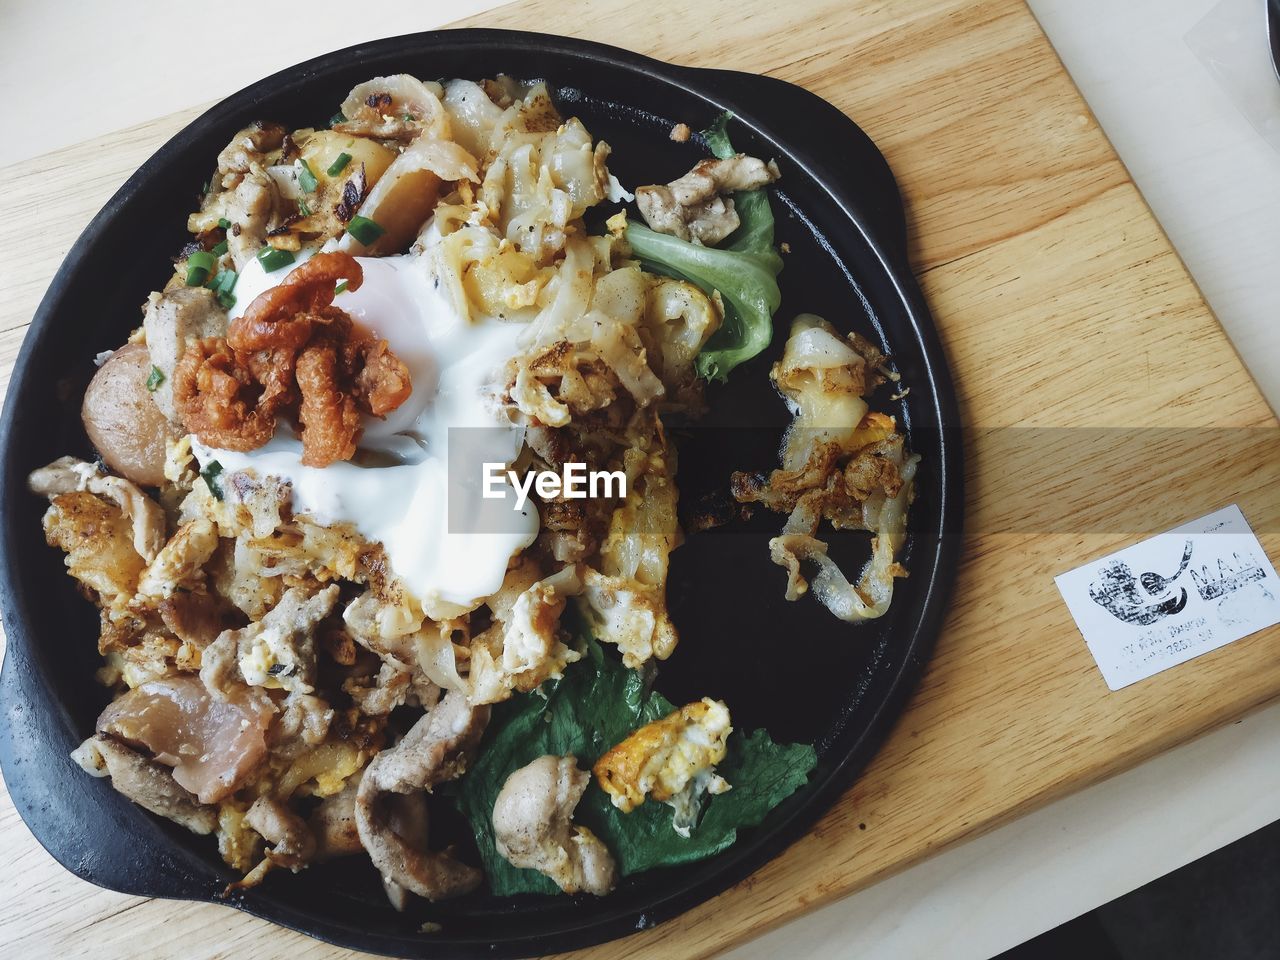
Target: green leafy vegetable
{"x":594,"y":706}
{"x":744,"y":270}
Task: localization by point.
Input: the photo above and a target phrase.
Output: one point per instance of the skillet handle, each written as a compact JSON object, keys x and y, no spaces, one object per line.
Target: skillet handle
{"x":849,"y":157}
{"x":80,"y":820}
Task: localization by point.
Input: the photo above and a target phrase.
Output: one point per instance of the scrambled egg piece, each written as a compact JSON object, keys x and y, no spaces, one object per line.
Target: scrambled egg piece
{"x":671,"y":759}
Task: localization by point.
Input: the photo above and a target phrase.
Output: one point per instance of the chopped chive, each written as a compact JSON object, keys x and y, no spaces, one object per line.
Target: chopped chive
{"x":219,"y":249}
{"x":340,"y":288}
{"x":303,"y":208}
{"x":365,"y":230}
{"x":211,"y":475}
{"x":306,"y":179}
{"x":410,"y":116}
{"x":222,"y":285}
{"x":273,"y":259}
{"x":224,"y":282}
{"x":224,"y":223}
{"x":154,"y":379}
{"x":337,"y":118}
{"x":199,"y":266}
{"x":339,"y":164}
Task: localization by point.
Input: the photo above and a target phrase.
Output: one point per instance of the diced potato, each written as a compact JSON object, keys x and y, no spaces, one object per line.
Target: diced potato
{"x":323,"y":148}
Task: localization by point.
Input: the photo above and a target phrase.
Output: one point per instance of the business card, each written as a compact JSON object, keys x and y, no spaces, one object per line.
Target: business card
{"x":1169,"y":599}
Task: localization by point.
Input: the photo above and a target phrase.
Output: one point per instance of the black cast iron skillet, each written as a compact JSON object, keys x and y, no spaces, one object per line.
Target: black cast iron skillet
{"x":789,"y":667}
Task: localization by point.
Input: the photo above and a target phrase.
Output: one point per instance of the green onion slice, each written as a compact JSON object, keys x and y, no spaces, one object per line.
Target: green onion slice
{"x":199,"y":265}
{"x":303,"y":208}
{"x":222,"y":285}
{"x":154,"y":379}
{"x":337,"y":118}
{"x":219,"y":249}
{"x":273,"y":259}
{"x":224,"y":223}
{"x":211,"y":475}
{"x":365,"y":230}
{"x":339,"y":164}
{"x":306,"y":179}
{"x":340,"y":288}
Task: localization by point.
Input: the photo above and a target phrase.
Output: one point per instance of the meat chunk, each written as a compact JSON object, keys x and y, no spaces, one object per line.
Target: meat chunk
{"x":122,"y":422}
{"x":333,"y":824}
{"x":695,"y":207}
{"x":254,"y":209}
{"x":213,"y":745}
{"x":174,"y":320}
{"x":292,"y":841}
{"x":303,"y":723}
{"x":279,"y":650}
{"x":145,"y":782}
{"x":533,"y":828}
{"x":388,"y":690}
{"x":243,"y":193}
{"x":436,"y":749}
{"x":249,"y":146}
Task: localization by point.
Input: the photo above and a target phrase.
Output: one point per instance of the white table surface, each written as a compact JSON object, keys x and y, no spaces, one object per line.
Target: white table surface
{"x":1213,"y":182}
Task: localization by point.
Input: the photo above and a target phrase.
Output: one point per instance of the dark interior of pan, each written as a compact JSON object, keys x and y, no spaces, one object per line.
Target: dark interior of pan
{"x":789,"y":667}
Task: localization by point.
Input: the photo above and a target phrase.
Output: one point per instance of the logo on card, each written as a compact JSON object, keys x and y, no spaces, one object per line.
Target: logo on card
{"x":1229,"y":576}
{"x":1143,"y":599}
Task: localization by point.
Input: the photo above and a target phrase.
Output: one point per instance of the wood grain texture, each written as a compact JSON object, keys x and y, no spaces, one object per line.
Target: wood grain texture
{"x":1067,"y":318}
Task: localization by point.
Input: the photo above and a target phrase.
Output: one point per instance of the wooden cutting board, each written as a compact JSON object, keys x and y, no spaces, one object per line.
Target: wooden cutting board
{"x":1067,"y":317}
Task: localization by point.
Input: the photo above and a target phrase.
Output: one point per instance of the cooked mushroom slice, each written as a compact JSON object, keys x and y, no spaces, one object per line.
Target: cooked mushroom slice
{"x":436,"y":749}
{"x":292,"y":841}
{"x":533,"y":828}
{"x":145,"y":782}
{"x":694,"y":206}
